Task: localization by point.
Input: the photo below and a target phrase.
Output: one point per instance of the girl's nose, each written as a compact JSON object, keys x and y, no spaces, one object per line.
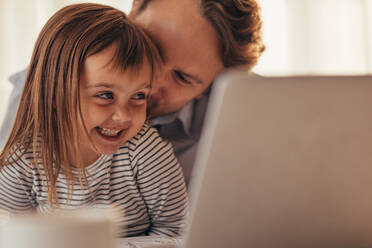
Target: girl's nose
{"x":122,"y":114}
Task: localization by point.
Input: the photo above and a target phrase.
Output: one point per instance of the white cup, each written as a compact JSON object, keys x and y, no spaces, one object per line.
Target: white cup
{"x":86,"y":228}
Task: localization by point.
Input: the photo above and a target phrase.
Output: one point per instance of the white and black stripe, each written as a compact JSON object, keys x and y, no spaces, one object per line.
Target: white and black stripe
{"x":143,"y":177}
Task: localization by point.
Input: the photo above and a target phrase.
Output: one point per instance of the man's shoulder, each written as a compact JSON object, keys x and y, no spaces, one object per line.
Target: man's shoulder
{"x":18,"y":79}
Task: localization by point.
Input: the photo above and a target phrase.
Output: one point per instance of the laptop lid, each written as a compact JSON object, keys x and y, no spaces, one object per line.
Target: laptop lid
{"x":284,"y":162}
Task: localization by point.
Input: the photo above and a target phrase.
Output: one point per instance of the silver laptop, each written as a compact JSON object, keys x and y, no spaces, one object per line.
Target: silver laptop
{"x":284,"y":162}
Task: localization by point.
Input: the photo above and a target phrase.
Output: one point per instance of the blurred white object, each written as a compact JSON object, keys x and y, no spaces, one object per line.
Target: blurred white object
{"x":4,"y":217}
{"x":85,"y":228}
{"x":150,"y":242}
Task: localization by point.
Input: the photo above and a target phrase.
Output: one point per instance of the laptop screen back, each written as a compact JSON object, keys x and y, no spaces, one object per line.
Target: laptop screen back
{"x":284,"y":162}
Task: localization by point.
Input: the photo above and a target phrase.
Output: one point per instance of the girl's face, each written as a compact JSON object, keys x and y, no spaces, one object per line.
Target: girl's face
{"x":113,"y":104}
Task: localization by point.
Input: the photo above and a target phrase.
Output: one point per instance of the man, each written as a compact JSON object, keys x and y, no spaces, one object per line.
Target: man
{"x":197,"y":39}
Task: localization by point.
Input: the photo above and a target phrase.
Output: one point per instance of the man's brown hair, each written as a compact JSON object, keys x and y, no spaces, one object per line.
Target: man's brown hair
{"x":239,"y":27}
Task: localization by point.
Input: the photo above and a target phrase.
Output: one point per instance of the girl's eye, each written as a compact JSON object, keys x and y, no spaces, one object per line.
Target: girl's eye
{"x":106,"y":95}
{"x":139,"y":96}
{"x":180,"y":77}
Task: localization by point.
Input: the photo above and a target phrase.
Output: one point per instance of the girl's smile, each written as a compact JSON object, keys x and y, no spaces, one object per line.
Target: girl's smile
{"x":108,"y":132}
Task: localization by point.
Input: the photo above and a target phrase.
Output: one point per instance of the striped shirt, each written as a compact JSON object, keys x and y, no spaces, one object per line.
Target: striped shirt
{"x":143,"y":178}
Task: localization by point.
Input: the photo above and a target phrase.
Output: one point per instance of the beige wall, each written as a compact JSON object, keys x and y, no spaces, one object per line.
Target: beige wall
{"x":20,"y":23}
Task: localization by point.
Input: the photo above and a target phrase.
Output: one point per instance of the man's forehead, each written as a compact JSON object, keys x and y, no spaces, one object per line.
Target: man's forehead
{"x":169,"y":7}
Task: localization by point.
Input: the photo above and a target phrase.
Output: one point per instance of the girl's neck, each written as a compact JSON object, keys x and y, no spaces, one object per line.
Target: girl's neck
{"x":88,"y":156}
{"x":89,"y":159}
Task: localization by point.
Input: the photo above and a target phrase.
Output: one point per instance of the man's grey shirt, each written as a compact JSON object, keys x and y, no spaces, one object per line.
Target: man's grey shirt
{"x":18,"y":80}
{"x":182,"y":128}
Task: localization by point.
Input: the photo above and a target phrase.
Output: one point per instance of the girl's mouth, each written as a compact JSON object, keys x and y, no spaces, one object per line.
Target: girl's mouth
{"x":109,"y":134}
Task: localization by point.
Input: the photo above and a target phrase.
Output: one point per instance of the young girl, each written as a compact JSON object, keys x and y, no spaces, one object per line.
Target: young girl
{"x":79,"y":137}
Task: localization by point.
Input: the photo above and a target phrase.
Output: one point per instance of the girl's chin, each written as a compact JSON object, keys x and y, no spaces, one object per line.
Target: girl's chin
{"x":108,"y":145}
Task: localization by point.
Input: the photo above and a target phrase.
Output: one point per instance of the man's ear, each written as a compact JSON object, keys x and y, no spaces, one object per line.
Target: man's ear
{"x":136,"y":5}
{"x":206,"y":92}
{"x":199,"y":96}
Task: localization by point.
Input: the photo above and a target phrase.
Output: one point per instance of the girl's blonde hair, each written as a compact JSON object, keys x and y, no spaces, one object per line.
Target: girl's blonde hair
{"x":49,"y":111}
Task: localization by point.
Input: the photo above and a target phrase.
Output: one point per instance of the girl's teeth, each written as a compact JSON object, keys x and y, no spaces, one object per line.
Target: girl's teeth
{"x":109,"y":132}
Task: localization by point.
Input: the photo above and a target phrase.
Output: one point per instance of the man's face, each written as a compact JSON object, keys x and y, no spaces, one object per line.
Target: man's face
{"x":190,"y":50}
